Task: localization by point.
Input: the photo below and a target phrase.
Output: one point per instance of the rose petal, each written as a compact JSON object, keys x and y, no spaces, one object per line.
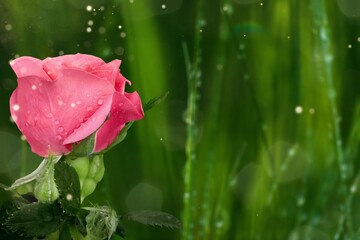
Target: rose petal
{"x":92,"y":124}
{"x":28,"y":66}
{"x":77,"y":61}
{"x":49,"y":112}
{"x":125,"y":108}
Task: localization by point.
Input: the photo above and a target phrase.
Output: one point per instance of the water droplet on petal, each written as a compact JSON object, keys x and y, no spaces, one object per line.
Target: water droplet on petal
{"x":16,"y":107}
{"x":33,"y":87}
{"x":73,"y":105}
{"x":100,"y":101}
{"x":23,"y":70}
{"x":58,"y":137}
{"x":60,"y":129}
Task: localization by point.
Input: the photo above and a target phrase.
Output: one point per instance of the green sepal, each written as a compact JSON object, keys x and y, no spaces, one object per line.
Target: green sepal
{"x":147,"y":106}
{"x":68,"y":185}
{"x":153,"y":218}
{"x":84,"y":148}
{"x":155,"y":101}
{"x":36,"y":219}
{"x":45,"y":189}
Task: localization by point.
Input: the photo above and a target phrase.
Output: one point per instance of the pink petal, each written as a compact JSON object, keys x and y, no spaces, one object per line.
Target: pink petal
{"x":47,"y":113}
{"x":125,"y":108}
{"x":92,"y":124}
{"x":28,"y":66}
{"x":77,"y":61}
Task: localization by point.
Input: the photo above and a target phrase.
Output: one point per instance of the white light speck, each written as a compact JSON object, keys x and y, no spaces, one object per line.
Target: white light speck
{"x":16,"y":107}
{"x":119,"y":27}
{"x":72,"y":105}
{"x":89,"y":8}
{"x":60,"y":103}
{"x":69,"y":197}
{"x":90,"y":22}
{"x":131,"y":1}
{"x":311,"y":110}
{"x":353,"y":188}
{"x":358,"y":39}
{"x":88,"y":29}
{"x":349,"y":46}
{"x":261,"y":4}
{"x":8,"y":27}
{"x":123,"y":34}
{"x":163,"y":6}
{"x":161,"y":139}
{"x":298,"y":109}
{"x":33,"y":87}
{"x":22,"y":138}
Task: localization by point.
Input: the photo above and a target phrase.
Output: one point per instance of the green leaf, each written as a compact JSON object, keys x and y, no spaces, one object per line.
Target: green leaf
{"x":154,"y":218}
{"x":68,"y":185}
{"x":36,"y":219}
{"x":7,"y":209}
{"x":154,"y":101}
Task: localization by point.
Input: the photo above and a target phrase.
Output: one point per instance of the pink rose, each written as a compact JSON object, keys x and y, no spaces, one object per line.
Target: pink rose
{"x":60,"y":101}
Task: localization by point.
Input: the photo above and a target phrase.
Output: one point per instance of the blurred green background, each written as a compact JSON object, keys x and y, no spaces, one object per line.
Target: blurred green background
{"x":259,"y":136}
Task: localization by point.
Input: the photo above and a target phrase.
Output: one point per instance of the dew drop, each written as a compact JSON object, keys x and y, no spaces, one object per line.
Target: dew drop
{"x":58,"y":137}
{"x":69,"y":197}
{"x":72,"y":105}
{"x":163,"y":6}
{"x":60,"y":129}
{"x":16,"y":107}
{"x":100,"y":101}
{"x":88,"y":29}
{"x":56,"y":122}
{"x":33,"y":87}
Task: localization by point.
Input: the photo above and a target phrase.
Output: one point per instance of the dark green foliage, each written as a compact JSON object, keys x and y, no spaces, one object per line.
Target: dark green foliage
{"x":153,"y":218}
{"x":68,"y":185}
